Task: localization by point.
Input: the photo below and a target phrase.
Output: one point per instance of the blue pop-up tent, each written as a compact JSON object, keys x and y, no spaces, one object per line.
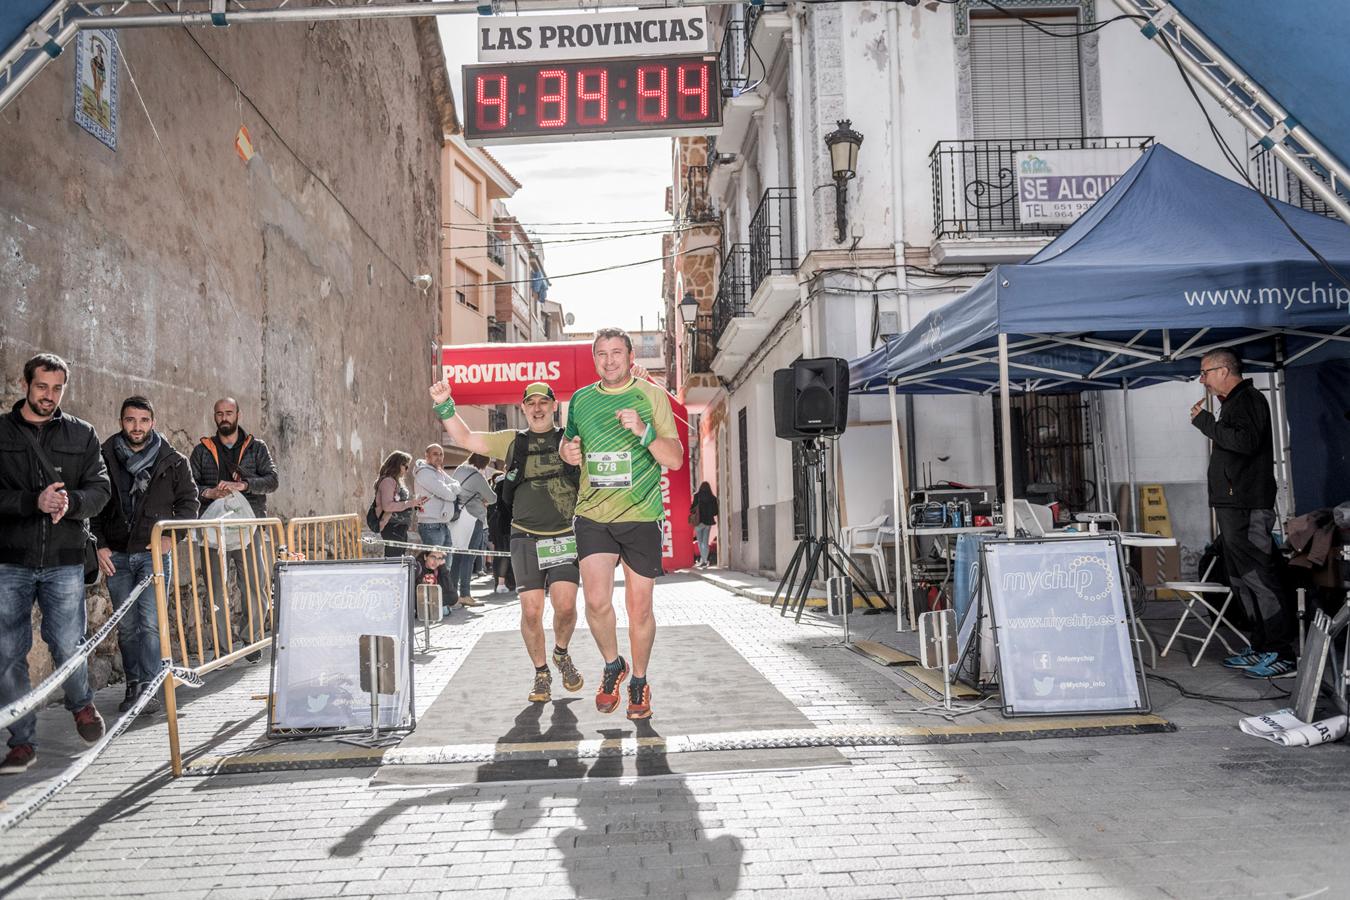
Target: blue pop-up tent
{"x":1175,"y":260}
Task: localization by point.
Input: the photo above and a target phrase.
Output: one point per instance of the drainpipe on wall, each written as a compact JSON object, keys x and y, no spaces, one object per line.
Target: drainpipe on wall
{"x":898,"y":214}
{"x":800,"y":174}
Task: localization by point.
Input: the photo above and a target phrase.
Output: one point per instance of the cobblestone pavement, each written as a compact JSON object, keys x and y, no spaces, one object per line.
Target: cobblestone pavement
{"x":1203,"y":812}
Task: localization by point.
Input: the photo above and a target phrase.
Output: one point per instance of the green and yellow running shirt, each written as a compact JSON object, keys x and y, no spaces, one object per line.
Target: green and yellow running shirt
{"x":620,"y":481}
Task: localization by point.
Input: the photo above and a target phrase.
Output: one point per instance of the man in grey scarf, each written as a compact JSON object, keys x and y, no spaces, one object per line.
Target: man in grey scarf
{"x":152,"y":482}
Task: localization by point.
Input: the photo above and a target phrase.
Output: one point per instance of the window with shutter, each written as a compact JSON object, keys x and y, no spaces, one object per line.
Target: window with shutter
{"x":1024,"y":83}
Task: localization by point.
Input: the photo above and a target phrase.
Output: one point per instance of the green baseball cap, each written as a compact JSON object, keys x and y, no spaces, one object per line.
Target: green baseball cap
{"x":538,"y":389}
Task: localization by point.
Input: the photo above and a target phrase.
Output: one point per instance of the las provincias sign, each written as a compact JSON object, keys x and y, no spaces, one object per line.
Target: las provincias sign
{"x":663,"y":32}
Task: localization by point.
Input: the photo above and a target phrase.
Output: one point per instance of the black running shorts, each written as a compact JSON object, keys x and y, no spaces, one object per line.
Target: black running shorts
{"x":638,"y":544}
{"x":525,"y":566}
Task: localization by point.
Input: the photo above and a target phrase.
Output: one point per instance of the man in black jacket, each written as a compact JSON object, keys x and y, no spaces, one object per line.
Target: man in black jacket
{"x":51,"y":481}
{"x":151,"y":483}
{"x":233,"y":461}
{"x":1242,"y":493}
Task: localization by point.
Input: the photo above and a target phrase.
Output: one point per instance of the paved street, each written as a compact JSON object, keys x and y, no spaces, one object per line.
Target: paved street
{"x":1202,"y":812}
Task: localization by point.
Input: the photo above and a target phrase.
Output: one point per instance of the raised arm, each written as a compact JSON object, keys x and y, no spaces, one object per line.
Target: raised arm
{"x":456,"y":429}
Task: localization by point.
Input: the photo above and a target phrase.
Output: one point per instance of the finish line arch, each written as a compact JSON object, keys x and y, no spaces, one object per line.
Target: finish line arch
{"x":491,"y":374}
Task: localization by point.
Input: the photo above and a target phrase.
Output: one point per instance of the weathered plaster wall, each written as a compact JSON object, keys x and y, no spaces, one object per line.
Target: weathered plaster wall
{"x":174,"y":269}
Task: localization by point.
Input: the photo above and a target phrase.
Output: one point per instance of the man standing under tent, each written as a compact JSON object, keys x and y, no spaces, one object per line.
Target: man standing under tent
{"x":542,"y":493}
{"x":620,"y":431}
{"x":1242,"y":493}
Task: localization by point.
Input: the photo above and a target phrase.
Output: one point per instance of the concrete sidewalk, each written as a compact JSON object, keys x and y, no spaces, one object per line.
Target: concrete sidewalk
{"x":1204,"y":811}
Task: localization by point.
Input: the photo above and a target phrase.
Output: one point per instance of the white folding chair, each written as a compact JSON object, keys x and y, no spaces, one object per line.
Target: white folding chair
{"x":1196,"y":593}
{"x":869,"y":540}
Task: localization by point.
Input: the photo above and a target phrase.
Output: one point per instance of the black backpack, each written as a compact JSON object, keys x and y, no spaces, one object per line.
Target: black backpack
{"x":515,"y":475}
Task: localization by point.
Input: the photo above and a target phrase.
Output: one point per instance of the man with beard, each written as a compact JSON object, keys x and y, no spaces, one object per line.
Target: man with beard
{"x":540,"y":493}
{"x":152,"y":482}
{"x":234,"y":461}
{"x":52,"y":480}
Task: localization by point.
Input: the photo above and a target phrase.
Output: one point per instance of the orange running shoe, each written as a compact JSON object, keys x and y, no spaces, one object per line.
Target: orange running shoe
{"x":639,"y":699}
{"x":607,"y":695}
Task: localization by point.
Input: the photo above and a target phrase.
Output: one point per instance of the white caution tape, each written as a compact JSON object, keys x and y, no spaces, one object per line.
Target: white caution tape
{"x":455,"y":551}
{"x":36,"y":697}
{"x":185,"y":676}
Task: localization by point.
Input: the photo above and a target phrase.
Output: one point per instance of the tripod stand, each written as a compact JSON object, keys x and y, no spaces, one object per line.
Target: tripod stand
{"x":818,"y":554}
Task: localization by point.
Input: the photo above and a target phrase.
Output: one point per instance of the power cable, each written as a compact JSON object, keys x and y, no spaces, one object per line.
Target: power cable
{"x":627,"y":265}
{"x":580,"y":240}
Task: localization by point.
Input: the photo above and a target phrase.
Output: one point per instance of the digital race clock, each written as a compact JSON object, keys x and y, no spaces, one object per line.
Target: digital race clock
{"x":576,"y":99}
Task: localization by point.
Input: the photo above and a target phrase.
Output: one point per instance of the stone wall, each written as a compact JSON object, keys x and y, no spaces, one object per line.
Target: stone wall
{"x":173,"y":268}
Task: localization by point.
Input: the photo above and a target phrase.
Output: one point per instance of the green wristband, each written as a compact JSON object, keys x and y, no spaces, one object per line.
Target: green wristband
{"x":445,"y":409}
{"x":648,"y":436}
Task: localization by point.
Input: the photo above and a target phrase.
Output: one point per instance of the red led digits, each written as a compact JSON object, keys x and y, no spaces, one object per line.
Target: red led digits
{"x":653,"y":102}
{"x":691,"y":83}
{"x":554,"y":101}
{"x":592,"y":97}
{"x":491,"y":106}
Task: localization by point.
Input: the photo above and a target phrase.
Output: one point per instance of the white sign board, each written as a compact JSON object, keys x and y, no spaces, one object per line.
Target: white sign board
{"x":653,"y":32}
{"x":1061,"y":627}
{"x":1055,"y":187}
{"x":323,"y":609}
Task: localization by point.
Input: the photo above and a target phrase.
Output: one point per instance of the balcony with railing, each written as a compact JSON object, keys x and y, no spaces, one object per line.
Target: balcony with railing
{"x":702,"y":347}
{"x":698,"y":207}
{"x":735,"y":329}
{"x":496,"y":249}
{"x":1274,"y":179}
{"x":773,"y":254}
{"x":975,"y":209}
{"x":496,"y":331}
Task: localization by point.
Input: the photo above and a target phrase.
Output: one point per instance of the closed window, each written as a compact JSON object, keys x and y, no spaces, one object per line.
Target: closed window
{"x":1024,"y":83}
{"x":466,"y":190}
{"x":467,"y":286}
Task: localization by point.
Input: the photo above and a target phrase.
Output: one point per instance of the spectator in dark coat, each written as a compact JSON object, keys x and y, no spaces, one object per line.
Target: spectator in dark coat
{"x":152,"y":482}
{"x":704,"y":515}
{"x":52,"y":480}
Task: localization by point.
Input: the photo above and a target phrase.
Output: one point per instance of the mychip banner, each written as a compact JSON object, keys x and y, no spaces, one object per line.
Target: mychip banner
{"x":324,"y":610}
{"x":1062,"y":627}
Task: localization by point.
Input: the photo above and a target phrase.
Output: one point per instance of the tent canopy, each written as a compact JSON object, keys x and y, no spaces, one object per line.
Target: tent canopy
{"x":1173,"y":261}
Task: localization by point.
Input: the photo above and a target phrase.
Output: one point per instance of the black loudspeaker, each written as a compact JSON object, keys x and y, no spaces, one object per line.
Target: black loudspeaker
{"x":810,"y":399}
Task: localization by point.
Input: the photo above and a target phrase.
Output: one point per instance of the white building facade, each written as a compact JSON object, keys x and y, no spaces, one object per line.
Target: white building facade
{"x":944,"y":95}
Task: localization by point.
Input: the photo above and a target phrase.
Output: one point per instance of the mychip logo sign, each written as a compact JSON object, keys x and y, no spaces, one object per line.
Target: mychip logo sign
{"x":657,"y":32}
{"x":1061,"y":626}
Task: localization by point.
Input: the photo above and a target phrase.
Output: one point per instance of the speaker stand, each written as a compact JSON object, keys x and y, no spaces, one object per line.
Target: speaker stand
{"x":818,"y":554}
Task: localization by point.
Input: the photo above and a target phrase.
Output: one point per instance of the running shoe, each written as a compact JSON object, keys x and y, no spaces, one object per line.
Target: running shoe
{"x":607,"y":696}
{"x":542,"y":692}
{"x":1279,"y":668}
{"x":1248,"y":658}
{"x":639,"y":700}
{"x":19,"y":758}
{"x":571,"y":678}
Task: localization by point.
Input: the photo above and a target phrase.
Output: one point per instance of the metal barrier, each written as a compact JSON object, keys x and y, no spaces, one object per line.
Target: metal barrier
{"x":231,"y":631}
{"x":325,"y":537}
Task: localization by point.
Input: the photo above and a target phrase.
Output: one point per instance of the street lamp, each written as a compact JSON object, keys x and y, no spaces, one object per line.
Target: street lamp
{"x":689,"y":309}
{"x":843,"y":144}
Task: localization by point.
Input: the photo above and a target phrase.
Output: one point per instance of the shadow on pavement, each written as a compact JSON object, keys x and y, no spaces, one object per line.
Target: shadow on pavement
{"x":637,"y":838}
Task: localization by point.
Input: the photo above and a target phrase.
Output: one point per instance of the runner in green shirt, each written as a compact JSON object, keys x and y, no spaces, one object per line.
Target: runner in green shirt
{"x":621,"y":432}
{"x":542,"y":493}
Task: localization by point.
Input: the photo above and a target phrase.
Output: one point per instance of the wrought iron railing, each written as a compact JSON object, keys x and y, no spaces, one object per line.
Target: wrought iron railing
{"x":975,"y":183}
{"x":698,"y":204}
{"x":731,"y":58}
{"x":733,"y":289}
{"x":702,"y":346}
{"x":496,"y":249}
{"x":773,"y":236}
{"x":1274,"y":179}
